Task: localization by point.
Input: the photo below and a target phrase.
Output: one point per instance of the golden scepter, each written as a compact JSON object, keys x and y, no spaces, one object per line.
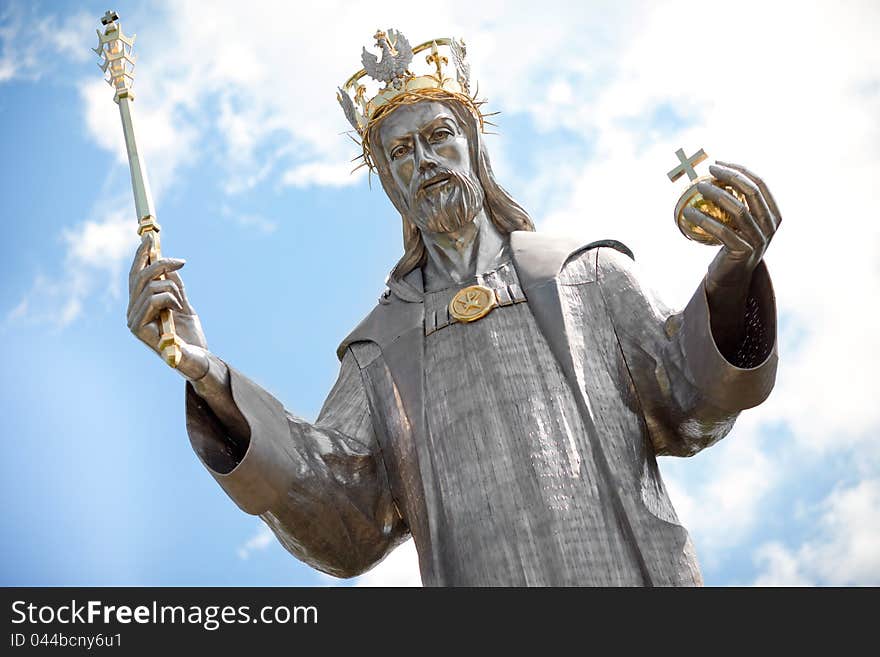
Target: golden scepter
{"x":117,"y":61}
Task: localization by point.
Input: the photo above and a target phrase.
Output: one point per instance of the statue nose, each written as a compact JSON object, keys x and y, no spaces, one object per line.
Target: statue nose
{"x":424,"y":158}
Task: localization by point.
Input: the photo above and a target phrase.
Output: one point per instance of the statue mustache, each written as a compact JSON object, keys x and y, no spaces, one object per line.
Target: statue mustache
{"x":416,"y":189}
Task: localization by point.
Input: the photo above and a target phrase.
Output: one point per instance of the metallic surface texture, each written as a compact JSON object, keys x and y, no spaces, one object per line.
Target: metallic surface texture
{"x":518,"y":488}
{"x":627,"y":380}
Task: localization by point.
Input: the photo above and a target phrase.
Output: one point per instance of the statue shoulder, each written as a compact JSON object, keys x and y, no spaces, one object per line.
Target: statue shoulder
{"x":626,"y":287}
{"x":399,"y":310}
{"x":613,"y":262}
{"x":540,"y":257}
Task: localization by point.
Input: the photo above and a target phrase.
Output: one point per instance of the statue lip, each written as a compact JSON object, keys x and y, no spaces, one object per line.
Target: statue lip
{"x":435,"y":181}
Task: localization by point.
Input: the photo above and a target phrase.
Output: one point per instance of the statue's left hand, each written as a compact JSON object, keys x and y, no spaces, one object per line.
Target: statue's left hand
{"x":730,"y":274}
{"x":756,"y":222}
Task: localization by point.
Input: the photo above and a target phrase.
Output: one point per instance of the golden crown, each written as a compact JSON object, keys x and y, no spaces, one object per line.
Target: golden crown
{"x":401,"y":86}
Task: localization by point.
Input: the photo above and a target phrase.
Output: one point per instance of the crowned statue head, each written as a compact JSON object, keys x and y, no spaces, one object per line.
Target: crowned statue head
{"x":422,"y":135}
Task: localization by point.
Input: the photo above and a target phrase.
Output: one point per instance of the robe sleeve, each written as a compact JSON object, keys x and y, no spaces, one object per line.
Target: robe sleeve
{"x":322,"y":488}
{"x":689,"y":392}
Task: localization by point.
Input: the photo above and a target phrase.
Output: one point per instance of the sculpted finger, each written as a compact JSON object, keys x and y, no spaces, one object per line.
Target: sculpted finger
{"x":167,"y":285}
{"x":734,"y":207}
{"x":156,"y":304}
{"x":755,"y":200}
{"x":139,"y":262}
{"x":154,"y":270}
{"x":137,"y":310}
{"x":136,"y":305}
{"x":141,"y":307}
{"x":149,"y":334}
{"x":727,"y":236}
{"x":174,"y":276}
{"x":765,"y":192}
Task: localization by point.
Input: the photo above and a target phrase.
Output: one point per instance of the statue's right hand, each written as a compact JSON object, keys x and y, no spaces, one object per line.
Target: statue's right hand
{"x":149,"y":295}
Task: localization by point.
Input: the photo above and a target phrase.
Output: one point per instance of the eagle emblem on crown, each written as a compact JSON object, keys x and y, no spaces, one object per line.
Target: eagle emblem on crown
{"x":396,"y":56}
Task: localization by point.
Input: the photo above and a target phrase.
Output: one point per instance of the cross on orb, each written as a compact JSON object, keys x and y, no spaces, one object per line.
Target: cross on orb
{"x":109,"y":17}
{"x":686,"y":165}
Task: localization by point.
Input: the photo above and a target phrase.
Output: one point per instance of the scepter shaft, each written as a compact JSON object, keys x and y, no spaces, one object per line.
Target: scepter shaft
{"x":117,"y":62}
{"x":148,"y":227}
{"x":140,"y":183}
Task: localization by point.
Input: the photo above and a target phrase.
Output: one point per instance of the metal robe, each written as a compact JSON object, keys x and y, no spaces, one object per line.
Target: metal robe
{"x":556,"y":483}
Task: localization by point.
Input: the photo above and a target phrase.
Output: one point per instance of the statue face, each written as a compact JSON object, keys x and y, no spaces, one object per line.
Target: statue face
{"x":430,"y":166}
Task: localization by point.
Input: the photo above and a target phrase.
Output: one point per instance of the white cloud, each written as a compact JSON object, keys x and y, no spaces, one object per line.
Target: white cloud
{"x":91,"y":268}
{"x":256,"y":222}
{"x":780,"y":567}
{"x":19,"y":311}
{"x":250,"y":220}
{"x":259,"y":541}
{"x":844,"y":549}
{"x":31,"y":43}
{"x":317,"y":173}
{"x":166,"y":141}
{"x":111,"y":239}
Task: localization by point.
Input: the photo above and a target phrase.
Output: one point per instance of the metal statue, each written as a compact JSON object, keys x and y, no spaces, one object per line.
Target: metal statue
{"x":505,"y":401}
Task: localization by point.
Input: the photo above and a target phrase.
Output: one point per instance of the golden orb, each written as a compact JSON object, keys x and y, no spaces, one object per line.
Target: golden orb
{"x":692,"y":198}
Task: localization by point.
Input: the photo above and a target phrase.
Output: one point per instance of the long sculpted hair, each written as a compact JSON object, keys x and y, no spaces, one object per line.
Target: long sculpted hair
{"x":505,"y":213}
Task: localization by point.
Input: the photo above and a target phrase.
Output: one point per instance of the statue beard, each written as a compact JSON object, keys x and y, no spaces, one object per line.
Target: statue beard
{"x":449,"y":208}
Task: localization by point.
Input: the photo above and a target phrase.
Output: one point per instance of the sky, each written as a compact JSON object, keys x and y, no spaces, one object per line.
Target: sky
{"x":287,"y":250}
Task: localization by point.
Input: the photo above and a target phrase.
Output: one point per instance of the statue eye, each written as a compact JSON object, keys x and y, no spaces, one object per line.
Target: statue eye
{"x":399,"y":151}
{"x":441,"y":134}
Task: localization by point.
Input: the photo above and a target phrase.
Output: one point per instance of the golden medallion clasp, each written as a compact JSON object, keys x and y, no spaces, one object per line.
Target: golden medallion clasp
{"x":472,"y":303}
